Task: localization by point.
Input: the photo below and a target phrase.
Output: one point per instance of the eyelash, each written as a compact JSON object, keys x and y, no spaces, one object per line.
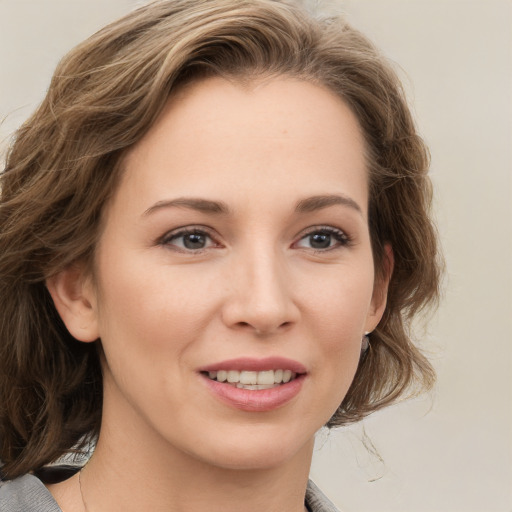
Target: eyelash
{"x":196,"y":230}
{"x":340,"y":237}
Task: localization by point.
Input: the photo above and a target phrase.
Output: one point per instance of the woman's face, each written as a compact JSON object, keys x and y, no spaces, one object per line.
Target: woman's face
{"x":237,"y":247}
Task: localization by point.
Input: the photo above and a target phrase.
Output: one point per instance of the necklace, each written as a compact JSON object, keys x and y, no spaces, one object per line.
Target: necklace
{"x":306,"y":508}
{"x":80,"y":485}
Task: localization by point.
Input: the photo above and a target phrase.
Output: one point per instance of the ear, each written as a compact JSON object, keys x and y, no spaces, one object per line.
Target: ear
{"x":75,"y":299}
{"x":380,"y":290}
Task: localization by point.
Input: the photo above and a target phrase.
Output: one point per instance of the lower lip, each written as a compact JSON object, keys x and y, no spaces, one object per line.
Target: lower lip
{"x":258,"y":400}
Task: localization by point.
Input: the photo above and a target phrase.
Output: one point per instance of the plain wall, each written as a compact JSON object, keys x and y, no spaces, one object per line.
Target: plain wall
{"x":450,"y":452}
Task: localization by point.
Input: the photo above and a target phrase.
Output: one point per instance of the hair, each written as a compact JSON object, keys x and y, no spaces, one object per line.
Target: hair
{"x":66,"y":160}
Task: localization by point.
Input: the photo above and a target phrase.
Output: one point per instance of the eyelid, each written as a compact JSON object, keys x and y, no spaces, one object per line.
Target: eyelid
{"x":343,"y":238}
{"x":185,"y":230}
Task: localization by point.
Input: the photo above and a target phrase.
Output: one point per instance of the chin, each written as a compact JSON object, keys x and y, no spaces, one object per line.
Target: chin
{"x":257,"y":449}
{"x":252,"y":461}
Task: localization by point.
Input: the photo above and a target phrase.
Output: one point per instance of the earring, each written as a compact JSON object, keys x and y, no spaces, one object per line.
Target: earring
{"x":365,"y":343}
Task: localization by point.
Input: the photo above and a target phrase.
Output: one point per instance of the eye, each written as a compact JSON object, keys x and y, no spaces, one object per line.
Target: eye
{"x":189,"y":240}
{"x":323,"y":239}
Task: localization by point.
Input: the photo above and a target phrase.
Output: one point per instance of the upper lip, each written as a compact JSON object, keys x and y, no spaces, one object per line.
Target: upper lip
{"x":256,"y":365}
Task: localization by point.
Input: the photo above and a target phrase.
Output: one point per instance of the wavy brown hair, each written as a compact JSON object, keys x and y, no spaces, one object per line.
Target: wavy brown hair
{"x":65,"y":161}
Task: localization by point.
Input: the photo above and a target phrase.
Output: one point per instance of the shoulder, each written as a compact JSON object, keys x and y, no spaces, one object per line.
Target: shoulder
{"x":316,"y":500}
{"x":26,"y":494}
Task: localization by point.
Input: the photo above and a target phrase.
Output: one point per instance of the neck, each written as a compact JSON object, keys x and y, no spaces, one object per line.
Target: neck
{"x":129,"y":480}
{"x":134,"y":468}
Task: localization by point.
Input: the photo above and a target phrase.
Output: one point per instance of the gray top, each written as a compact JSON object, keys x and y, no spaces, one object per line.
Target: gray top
{"x":28,"y":494}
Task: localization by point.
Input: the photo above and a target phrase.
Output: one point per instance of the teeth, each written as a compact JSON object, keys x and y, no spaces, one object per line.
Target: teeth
{"x":233,"y":376}
{"x":255,"y":386}
{"x":253,"y":380}
{"x":249,"y":377}
{"x":266,"y":377}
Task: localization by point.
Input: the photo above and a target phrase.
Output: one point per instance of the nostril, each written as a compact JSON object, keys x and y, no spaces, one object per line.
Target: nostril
{"x":262,"y":324}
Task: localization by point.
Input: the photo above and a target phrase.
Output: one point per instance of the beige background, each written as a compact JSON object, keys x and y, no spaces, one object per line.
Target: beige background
{"x":450,"y":452}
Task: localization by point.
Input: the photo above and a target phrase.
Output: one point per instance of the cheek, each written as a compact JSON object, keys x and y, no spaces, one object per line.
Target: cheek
{"x":336,"y":321}
{"x":147,"y":311}
{"x":339,"y":300}
{"x":148,"y":323}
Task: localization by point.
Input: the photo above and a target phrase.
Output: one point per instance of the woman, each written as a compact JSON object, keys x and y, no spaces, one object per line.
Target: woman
{"x":214,"y":234}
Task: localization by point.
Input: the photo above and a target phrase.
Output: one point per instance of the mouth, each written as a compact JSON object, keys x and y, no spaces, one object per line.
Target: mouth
{"x":253,"y":384}
{"x":253,"y":380}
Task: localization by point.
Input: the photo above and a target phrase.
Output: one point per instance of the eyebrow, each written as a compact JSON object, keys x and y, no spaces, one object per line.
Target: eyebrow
{"x":325,"y":201}
{"x":202,"y":205}
{"x":307,"y":205}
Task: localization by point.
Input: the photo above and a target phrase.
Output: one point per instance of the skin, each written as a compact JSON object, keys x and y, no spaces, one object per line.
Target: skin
{"x":260,"y":286}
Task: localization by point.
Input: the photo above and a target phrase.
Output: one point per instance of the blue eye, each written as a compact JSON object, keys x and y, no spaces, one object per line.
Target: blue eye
{"x":189,"y":240}
{"x":323,"y":239}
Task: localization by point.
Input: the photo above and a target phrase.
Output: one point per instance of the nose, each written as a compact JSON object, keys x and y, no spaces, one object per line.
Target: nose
{"x":260,"y":296}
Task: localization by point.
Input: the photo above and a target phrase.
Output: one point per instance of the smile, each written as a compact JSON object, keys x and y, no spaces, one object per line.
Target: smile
{"x":253,"y":384}
{"x":253,"y":380}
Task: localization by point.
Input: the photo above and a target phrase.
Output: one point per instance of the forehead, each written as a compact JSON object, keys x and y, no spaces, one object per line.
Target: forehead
{"x":221,"y":137}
